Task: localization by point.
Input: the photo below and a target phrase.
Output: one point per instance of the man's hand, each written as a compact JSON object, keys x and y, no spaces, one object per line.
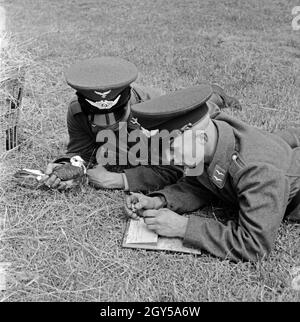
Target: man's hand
{"x":165,"y":222}
{"x":101,"y":178}
{"x":136,"y":203}
{"x":52,"y":181}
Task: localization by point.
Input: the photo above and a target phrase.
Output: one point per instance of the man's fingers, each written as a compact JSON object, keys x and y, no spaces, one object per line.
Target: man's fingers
{"x":70,"y":183}
{"x":94,"y":181}
{"x":139,"y":212}
{"x":130,"y":213}
{"x":44,"y":179}
{"x":150,"y":213}
{"x":50,"y":181}
{"x":130,"y":200}
{"x":51,"y":167}
{"x":138,"y":199}
{"x":133,"y":201}
{"x":95,"y":184}
{"x":65,"y":185}
{"x":136,"y":196}
{"x":62,"y":186}
{"x":127,"y":211}
{"x":56,"y":183}
{"x":150,"y":220}
{"x":152,"y":227}
{"x":143,"y":203}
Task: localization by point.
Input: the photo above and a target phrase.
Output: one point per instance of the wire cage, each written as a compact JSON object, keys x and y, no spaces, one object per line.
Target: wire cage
{"x":11,"y":92}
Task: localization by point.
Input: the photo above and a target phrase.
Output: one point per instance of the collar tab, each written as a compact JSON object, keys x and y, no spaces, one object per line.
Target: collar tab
{"x":219,"y":176}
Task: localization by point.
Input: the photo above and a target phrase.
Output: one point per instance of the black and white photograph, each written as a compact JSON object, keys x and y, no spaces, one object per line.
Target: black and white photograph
{"x":150,"y":153}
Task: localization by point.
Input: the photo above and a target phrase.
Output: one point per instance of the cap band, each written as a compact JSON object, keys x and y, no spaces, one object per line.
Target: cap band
{"x":104,"y":106}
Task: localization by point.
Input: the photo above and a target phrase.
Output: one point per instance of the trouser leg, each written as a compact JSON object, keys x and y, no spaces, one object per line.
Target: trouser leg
{"x":291,"y":136}
{"x":218,"y":100}
{"x":144,"y":93}
{"x":223,"y":100}
{"x":293,"y":209}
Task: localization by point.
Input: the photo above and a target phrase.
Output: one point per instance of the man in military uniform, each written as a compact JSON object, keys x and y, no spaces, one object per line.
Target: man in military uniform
{"x":105,"y":97}
{"x":253,"y":171}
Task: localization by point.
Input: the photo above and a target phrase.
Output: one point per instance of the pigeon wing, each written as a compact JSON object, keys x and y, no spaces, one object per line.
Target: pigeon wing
{"x":68,"y":172}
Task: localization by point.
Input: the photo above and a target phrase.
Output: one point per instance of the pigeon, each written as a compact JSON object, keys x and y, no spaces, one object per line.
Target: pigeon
{"x":73,"y":172}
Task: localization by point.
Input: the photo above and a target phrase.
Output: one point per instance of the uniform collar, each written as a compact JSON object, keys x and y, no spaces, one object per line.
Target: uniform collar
{"x":218,"y":167}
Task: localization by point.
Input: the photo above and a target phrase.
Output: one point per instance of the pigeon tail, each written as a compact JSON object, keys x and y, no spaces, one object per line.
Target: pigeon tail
{"x":30,"y":173}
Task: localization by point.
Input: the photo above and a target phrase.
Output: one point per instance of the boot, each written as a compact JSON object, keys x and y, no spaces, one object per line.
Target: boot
{"x":227,"y":101}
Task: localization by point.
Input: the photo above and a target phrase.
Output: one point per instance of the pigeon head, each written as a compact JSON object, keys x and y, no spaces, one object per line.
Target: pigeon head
{"x":77,"y":161}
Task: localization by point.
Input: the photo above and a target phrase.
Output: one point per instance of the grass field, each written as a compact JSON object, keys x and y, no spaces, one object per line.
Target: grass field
{"x":66,"y":246}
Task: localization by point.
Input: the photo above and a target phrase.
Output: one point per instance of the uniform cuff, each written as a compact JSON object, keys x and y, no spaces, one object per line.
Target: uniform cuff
{"x":126,"y":186}
{"x":194,"y":233}
{"x":170,"y":203}
{"x":134,"y":181}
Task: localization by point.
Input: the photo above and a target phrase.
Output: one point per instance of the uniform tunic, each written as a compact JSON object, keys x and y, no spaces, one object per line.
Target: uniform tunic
{"x":252,"y":170}
{"x":82,"y":141}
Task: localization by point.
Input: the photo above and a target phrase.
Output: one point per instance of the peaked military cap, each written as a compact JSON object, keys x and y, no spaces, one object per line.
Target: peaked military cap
{"x":175,"y":109}
{"x":103,"y":86}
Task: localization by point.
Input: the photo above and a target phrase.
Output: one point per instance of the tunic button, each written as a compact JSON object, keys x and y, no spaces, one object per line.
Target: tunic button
{"x":234,"y":157}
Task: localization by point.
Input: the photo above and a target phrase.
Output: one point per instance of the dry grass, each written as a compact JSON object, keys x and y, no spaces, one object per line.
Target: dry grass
{"x":67,"y":246}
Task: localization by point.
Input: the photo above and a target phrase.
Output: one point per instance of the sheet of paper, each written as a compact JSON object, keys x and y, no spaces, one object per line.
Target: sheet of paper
{"x":138,"y":233}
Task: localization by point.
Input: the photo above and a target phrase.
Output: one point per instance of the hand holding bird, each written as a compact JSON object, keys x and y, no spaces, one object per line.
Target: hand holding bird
{"x":58,"y":176}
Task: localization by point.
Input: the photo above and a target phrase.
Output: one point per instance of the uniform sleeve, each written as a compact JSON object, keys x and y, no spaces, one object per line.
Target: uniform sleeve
{"x":188,"y":194}
{"x":81,"y":139}
{"x":262,"y":198}
{"x":151,"y":178}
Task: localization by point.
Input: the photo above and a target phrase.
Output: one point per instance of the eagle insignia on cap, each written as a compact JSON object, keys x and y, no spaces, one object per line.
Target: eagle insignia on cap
{"x":148,"y":133}
{"x":104,"y":105}
{"x":103,"y":94}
